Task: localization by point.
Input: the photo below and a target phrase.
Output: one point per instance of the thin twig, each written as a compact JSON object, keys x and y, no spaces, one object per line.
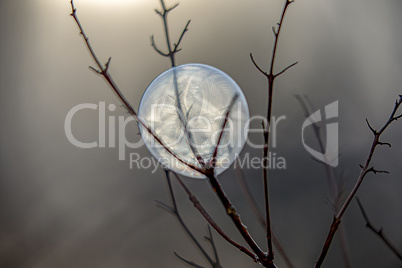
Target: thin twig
{"x":257,"y":66}
{"x":365,"y":170}
{"x":270,"y":77}
{"x":210,"y":238}
{"x":187,"y":261}
{"x":287,"y":68}
{"x":156,"y":48}
{"x":175,"y":211}
{"x":250,"y":197}
{"x":172,"y":52}
{"x":176,"y":45}
{"x":334,"y":189}
{"x":378,"y":232}
{"x":258,"y":213}
{"x":209,"y":219}
{"x":235,"y":217}
{"x":230,"y":210}
{"x":215,"y":151}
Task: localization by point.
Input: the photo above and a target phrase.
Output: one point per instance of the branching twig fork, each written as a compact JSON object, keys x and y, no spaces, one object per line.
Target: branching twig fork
{"x":171,"y":52}
{"x":230,"y":210}
{"x":271,"y":78}
{"x":210,"y":239}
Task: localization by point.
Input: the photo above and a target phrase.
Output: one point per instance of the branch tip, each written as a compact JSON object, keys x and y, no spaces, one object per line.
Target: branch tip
{"x":162,"y":205}
{"x":107,"y":64}
{"x":173,"y":7}
{"x":371,"y":128}
{"x":258,"y":67}
{"x":95,"y":70}
{"x":287,"y":68}
{"x":274,"y":31}
{"x":158,"y":12}
{"x":384,"y":143}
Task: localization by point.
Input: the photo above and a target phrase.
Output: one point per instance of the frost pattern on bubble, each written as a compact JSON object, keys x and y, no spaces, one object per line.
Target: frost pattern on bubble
{"x":193,"y":99}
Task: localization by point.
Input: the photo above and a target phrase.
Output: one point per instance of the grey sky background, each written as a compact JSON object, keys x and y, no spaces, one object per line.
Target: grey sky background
{"x":62,"y":206}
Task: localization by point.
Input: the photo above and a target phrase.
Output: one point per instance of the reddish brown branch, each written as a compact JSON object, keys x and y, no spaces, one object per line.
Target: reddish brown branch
{"x":257,"y":66}
{"x":287,"y":68}
{"x":365,"y":170}
{"x":235,"y":217}
{"x":209,"y":219}
{"x":270,"y":77}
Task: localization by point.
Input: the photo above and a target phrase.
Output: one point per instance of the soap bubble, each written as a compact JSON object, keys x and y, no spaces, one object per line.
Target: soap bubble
{"x":185,"y":107}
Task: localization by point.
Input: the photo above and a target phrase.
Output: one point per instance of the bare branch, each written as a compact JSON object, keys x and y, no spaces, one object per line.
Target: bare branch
{"x":164,"y":206}
{"x":365,"y":170}
{"x":156,"y":48}
{"x":371,"y":128}
{"x":270,"y":77}
{"x":287,"y":68}
{"x":215,"y":152}
{"x":256,"y":65}
{"x":209,"y":219}
{"x":172,"y":52}
{"x":375,"y":171}
{"x":274,"y":31}
{"x":176,"y":45}
{"x":258,"y":213}
{"x":107,"y":64}
{"x":385,"y":143}
{"x":378,"y":232}
{"x":95,"y":70}
{"x":278,"y":31}
{"x":187,"y":261}
{"x":210,"y":239}
{"x":158,"y":12}
{"x":175,"y":211}
{"x":173,"y":7}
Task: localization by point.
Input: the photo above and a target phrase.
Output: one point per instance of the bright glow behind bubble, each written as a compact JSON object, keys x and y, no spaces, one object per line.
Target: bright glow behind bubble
{"x":195,"y":97}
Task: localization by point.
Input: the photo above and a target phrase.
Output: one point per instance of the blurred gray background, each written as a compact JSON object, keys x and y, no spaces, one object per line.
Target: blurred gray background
{"x":62,"y":206}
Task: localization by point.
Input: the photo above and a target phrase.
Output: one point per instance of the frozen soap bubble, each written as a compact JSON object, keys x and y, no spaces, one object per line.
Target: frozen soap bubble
{"x":186,"y":106}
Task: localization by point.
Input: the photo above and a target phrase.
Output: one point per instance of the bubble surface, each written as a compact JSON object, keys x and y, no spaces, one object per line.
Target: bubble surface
{"x":185,"y":107}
